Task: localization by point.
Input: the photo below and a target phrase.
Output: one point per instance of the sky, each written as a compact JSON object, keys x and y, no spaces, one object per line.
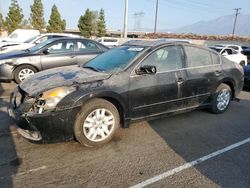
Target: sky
{"x":172,"y":14}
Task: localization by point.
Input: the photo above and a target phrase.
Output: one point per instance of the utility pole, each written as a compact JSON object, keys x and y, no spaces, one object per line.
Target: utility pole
{"x":125,"y":29}
{"x":137,"y":17}
{"x":235,"y":20}
{"x":156,"y":15}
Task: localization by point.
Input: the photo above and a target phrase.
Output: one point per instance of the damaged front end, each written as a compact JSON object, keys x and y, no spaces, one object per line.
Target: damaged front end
{"x":37,"y":117}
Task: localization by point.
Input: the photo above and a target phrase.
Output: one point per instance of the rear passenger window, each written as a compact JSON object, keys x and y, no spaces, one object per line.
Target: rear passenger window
{"x":86,"y":46}
{"x":197,"y":57}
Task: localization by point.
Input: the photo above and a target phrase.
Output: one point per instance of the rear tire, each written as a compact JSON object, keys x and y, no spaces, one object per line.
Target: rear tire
{"x":22,"y":72}
{"x":221,"y":99}
{"x":243,"y":63}
{"x":96,"y":123}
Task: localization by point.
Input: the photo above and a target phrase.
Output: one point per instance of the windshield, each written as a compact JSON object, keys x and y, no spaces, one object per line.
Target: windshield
{"x":216,"y":49}
{"x":40,"y":45}
{"x":31,"y":39}
{"x":114,"y":59}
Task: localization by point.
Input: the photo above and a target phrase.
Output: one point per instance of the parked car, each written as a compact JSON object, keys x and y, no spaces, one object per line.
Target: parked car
{"x":108,"y":41}
{"x":57,"y":52}
{"x":231,"y":54}
{"x":246,"y":52}
{"x":136,"y":81}
{"x":14,"y":46}
{"x":238,"y":48}
{"x":19,"y":35}
{"x":247,"y":76}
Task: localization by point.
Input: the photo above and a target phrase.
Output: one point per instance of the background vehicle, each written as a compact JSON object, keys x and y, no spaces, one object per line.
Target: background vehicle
{"x":238,"y":48}
{"x":49,"y":54}
{"x":247,"y":76}
{"x":32,"y":41}
{"x":19,"y":35}
{"x":108,"y":41}
{"x":246,"y":52}
{"x":231,"y":54}
{"x":136,"y":81}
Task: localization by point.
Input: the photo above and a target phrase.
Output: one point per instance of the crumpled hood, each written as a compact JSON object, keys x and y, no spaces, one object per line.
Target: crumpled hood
{"x":58,"y":77}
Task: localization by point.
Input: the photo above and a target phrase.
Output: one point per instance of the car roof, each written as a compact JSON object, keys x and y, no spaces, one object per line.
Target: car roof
{"x":152,"y":43}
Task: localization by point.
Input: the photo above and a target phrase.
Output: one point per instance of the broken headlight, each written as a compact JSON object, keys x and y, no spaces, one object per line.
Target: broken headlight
{"x":51,"y":98}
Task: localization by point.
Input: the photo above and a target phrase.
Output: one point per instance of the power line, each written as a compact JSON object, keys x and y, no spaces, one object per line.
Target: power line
{"x":137,"y":17}
{"x":235,"y":20}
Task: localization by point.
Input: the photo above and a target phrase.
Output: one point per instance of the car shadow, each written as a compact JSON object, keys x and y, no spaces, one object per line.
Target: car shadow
{"x":196,"y":134}
{"x":9,"y":161}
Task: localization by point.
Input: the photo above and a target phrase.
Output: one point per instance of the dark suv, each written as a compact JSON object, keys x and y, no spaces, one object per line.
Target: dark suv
{"x":139,"y":80}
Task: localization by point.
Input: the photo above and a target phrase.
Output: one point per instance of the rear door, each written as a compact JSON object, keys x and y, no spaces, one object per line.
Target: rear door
{"x":86,"y":50}
{"x":154,"y":94}
{"x":60,"y":53}
{"x":202,"y":73}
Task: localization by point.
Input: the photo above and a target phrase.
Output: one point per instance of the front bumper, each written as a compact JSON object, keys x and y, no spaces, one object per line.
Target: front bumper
{"x":47,"y":127}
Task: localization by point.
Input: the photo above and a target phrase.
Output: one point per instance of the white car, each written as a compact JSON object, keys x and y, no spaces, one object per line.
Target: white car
{"x":108,"y":41}
{"x":231,"y":54}
{"x":18,"y":36}
{"x":14,"y":46}
{"x":238,"y":48}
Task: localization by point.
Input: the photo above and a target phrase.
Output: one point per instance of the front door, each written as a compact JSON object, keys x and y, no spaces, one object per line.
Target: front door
{"x":158,"y":93}
{"x":60,"y":53}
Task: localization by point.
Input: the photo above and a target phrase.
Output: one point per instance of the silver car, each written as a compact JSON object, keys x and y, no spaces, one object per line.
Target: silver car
{"x":49,"y":54}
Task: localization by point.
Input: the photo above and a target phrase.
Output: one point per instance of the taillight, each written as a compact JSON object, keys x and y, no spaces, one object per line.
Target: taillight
{"x":240,"y":68}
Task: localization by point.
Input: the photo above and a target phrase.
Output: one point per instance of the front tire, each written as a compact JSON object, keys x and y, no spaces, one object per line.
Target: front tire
{"x":221,"y":99}
{"x":22,"y":72}
{"x":96,"y":123}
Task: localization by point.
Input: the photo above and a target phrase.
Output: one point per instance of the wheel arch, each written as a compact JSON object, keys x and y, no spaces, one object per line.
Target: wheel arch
{"x":230,"y":82}
{"x":113,"y":98}
{"x":24,"y":64}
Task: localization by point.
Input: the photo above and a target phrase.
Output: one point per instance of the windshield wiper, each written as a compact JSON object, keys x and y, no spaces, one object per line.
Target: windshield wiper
{"x":92,"y":68}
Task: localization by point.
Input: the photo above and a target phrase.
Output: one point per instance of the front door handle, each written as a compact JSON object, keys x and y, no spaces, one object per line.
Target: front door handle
{"x":180,"y":80}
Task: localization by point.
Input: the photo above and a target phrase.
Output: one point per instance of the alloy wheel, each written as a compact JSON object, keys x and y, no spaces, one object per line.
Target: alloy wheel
{"x":98,"y":125}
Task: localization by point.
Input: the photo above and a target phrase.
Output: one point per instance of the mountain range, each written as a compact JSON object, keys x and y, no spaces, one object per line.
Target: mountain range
{"x":219,"y":26}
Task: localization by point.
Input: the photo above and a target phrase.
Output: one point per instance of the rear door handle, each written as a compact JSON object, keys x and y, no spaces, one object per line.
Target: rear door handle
{"x":217,"y":72}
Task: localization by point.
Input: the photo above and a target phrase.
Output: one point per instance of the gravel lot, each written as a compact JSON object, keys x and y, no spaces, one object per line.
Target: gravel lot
{"x":145,"y":150}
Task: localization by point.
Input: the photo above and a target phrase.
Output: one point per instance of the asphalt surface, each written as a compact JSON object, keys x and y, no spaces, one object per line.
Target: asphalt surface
{"x":143,"y":151}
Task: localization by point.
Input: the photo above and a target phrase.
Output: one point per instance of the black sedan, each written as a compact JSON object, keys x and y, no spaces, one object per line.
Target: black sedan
{"x":139,"y":80}
{"x":247,"y":76}
{"x":55,"y":52}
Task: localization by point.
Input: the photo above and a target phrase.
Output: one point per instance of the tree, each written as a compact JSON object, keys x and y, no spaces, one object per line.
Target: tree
{"x":14,"y":17}
{"x":101,"y":25}
{"x":2,"y":23}
{"x":37,"y":15}
{"x":56,"y":24}
{"x":25,"y":24}
{"x":85,"y":24}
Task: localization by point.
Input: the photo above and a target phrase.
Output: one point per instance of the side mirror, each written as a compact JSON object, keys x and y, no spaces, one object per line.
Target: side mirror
{"x":46,"y":51}
{"x":146,"y":69}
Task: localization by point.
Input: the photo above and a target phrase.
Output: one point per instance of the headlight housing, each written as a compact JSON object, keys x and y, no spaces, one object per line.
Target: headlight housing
{"x":52,"y":97}
{"x":7,"y":61}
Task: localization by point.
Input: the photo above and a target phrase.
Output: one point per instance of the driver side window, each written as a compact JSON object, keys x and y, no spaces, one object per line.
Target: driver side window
{"x":165,"y":59}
